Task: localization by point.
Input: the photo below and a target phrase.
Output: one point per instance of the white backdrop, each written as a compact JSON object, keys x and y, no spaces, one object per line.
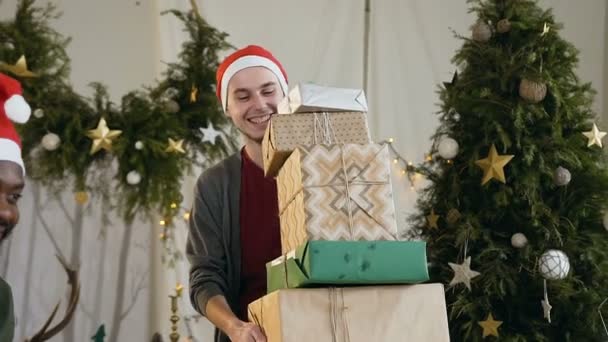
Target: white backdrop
{"x":122,"y":44}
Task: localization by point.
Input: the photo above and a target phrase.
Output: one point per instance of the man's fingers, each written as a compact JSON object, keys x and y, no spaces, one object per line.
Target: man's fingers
{"x":256,"y":332}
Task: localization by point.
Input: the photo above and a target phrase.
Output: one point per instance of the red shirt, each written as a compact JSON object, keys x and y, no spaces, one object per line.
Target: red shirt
{"x":260,"y":231}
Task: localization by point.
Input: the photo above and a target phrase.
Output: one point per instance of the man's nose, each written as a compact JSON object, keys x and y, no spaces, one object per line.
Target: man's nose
{"x":259,"y":102}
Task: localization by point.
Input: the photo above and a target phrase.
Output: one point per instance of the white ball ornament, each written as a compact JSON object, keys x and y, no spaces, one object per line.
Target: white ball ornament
{"x":139,"y":145}
{"x":39,"y":113}
{"x":133,"y":177}
{"x":448,"y":148}
{"x":519,"y":240}
{"x":554,"y":264}
{"x":51,"y":141}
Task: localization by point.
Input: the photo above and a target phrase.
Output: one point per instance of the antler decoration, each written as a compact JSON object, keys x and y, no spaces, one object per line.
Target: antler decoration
{"x":43,"y":334}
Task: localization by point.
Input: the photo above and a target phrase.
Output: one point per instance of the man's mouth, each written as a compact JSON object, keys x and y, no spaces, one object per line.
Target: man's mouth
{"x":260,"y":119}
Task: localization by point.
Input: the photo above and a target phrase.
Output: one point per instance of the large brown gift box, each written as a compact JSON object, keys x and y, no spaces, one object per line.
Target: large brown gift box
{"x":336,"y":192}
{"x":286,"y":132}
{"x":354,"y":314}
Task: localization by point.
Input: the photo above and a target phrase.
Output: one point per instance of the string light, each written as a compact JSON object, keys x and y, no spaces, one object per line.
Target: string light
{"x":173,"y":205}
{"x":162,"y":222}
{"x":390,"y":140}
{"x":187,"y":215}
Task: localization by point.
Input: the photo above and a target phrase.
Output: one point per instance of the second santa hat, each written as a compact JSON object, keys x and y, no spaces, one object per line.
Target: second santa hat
{"x":250,"y":56}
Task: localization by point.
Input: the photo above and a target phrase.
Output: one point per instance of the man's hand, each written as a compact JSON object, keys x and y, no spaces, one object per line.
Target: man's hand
{"x":246,"y":332}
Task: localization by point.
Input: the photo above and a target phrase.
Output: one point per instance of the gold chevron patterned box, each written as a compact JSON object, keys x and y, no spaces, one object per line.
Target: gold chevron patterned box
{"x":285,"y":132}
{"x":395,"y":313}
{"x":336,"y":192}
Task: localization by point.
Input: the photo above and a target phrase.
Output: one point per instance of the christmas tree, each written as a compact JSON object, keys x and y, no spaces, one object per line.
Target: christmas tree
{"x":514,"y":216}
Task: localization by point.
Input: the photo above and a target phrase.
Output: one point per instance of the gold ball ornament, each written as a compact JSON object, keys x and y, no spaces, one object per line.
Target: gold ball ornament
{"x":532,"y":91}
{"x":503,"y":26}
{"x":81,"y":197}
{"x":482,"y":32}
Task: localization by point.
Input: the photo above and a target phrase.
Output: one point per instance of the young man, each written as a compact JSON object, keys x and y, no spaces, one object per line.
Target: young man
{"x":12,"y":107}
{"x":234,"y":226}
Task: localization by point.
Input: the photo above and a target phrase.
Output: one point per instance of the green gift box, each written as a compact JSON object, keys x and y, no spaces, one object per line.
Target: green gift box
{"x":325,"y":262}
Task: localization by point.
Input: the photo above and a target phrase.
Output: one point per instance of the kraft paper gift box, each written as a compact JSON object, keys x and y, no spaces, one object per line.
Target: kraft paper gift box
{"x":309,"y":98}
{"x":336,"y":192}
{"x":395,"y":313}
{"x":285,"y":132}
{"x":348,"y":263}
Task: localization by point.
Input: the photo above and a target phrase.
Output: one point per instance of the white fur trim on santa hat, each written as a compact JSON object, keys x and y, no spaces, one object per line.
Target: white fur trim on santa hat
{"x":10,"y":151}
{"x":17,"y":109}
{"x":248,"y":62}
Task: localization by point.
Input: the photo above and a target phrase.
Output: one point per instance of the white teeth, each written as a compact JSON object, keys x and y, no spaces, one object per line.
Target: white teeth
{"x":260,"y":119}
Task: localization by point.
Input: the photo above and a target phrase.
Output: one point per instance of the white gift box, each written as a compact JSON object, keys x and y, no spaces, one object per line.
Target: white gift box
{"x":310,"y":98}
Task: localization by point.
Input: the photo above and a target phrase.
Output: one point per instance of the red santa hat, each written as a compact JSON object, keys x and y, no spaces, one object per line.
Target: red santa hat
{"x":250,"y":56}
{"x":12,"y":108}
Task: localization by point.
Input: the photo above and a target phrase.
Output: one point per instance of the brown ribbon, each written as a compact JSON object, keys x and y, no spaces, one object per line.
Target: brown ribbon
{"x":347,"y":183}
{"x":337,"y":312}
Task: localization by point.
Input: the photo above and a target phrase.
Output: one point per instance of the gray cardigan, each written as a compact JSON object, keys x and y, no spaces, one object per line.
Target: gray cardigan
{"x":213,"y":247}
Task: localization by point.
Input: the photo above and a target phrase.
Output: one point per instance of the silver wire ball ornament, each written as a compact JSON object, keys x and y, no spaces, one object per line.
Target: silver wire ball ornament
{"x":554,"y":264}
{"x":561,"y":176}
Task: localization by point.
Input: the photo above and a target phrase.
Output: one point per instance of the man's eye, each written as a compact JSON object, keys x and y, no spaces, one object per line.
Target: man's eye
{"x":268,"y":92}
{"x":243,"y":98}
{"x":14,"y":198}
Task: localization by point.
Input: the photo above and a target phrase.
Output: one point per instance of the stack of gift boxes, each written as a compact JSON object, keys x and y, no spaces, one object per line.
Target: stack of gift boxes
{"x":345,"y":275}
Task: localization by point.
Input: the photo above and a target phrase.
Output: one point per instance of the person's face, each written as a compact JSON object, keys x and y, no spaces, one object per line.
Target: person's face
{"x":253,"y":96}
{"x":11,"y":186}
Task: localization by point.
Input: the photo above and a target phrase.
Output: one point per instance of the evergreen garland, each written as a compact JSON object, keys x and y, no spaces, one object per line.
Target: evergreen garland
{"x":151,"y":116}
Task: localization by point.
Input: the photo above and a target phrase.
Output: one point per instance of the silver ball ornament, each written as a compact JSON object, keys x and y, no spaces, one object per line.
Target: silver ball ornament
{"x":139,"y":145}
{"x":133,"y":177}
{"x":448,"y":148}
{"x":519,"y":240}
{"x":562,"y":176}
{"x":554,"y":264}
{"x":482,"y":32}
{"x":38,"y":113}
{"x":51,"y":141}
{"x":171,"y":106}
{"x":532,"y":91}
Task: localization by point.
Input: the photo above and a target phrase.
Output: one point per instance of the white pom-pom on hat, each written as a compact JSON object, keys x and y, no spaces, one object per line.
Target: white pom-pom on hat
{"x":16,"y":109}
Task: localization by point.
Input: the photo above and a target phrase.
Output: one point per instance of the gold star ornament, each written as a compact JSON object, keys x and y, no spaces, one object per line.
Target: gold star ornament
{"x":490,"y":326}
{"x":432,"y":220}
{"x":546,"y":29}
{"x":175,"y":146}
{"x":193,"y":94}
{"x":595,"y":136}
{"x":18,"y":69}
{"x":102,"y":136}
{"x":493,"y":165}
